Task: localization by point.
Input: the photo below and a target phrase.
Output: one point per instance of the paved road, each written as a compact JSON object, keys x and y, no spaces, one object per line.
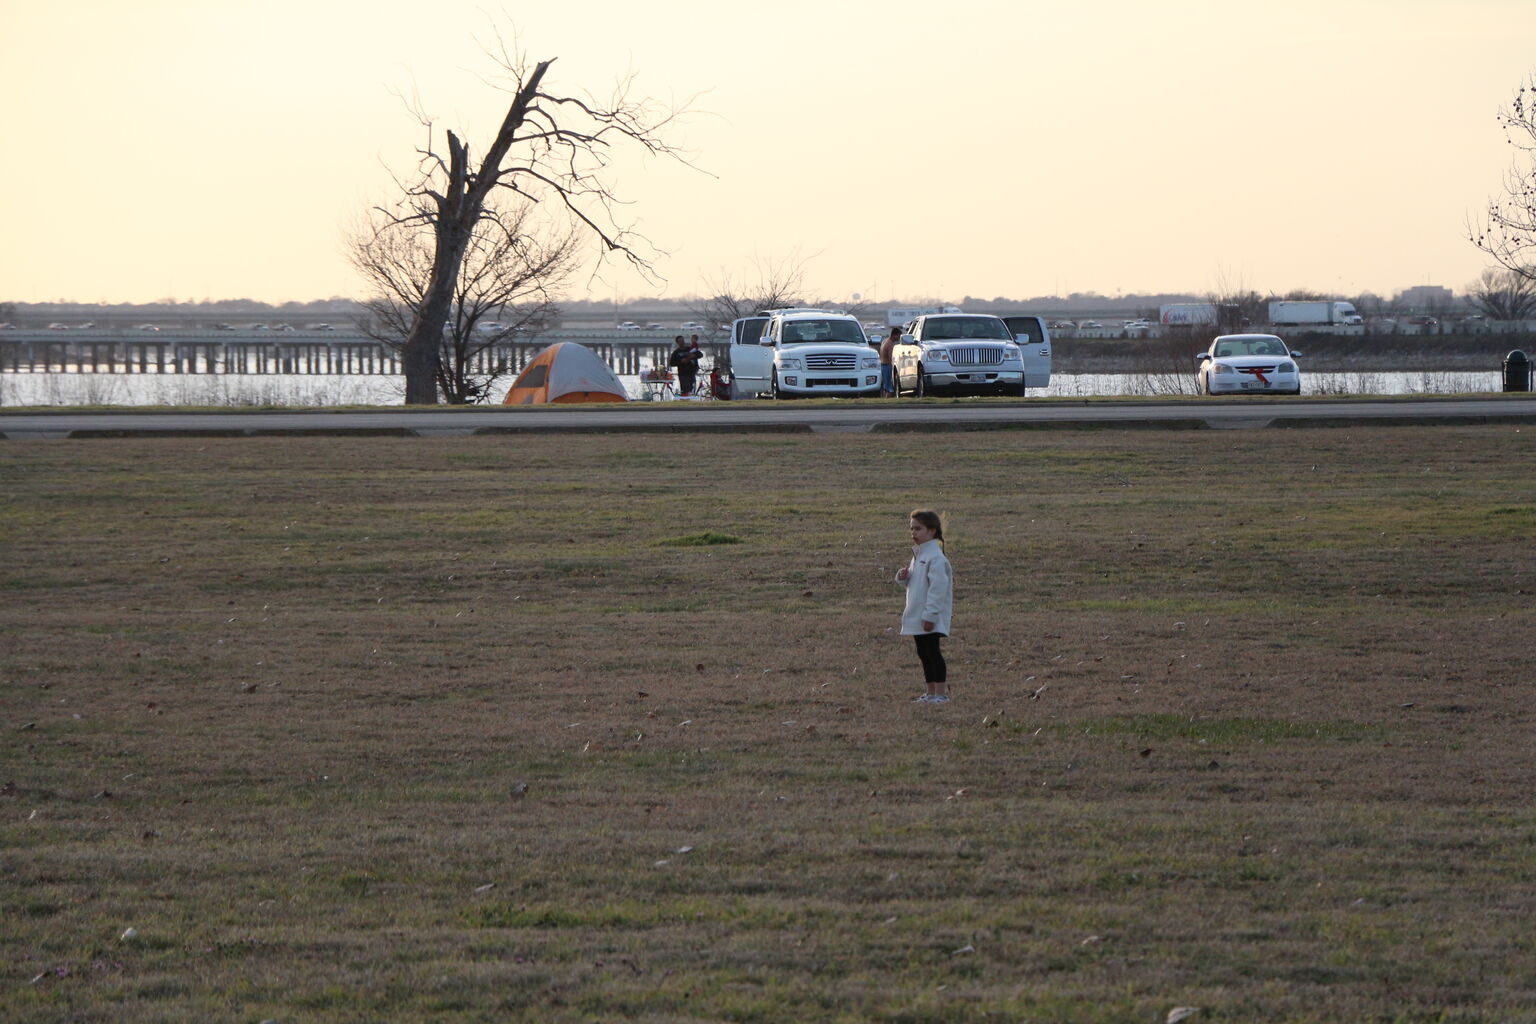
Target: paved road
{"x":770,"y":416}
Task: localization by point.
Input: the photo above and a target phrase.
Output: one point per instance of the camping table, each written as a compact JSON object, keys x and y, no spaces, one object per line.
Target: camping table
{"x":656,"y":388}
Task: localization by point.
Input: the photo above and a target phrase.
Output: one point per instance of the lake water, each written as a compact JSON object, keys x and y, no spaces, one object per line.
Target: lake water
{"x":235,"y":390}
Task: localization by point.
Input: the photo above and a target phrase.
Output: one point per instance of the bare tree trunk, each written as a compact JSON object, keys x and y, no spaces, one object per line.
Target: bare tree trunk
{"x":421,"y":354}
{"x":459,"y":207}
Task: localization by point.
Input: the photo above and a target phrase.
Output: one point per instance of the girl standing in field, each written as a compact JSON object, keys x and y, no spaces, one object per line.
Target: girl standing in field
{"x":930,"y":594}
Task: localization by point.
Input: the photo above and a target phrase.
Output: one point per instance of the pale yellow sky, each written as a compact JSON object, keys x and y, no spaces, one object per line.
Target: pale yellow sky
{"x":196,"y":149}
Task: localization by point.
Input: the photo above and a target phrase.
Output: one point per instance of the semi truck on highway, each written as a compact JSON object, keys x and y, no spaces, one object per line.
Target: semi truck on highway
{"x":1314,"y":313}
{"x":905,"y":315}
{"x":1186,"y":314}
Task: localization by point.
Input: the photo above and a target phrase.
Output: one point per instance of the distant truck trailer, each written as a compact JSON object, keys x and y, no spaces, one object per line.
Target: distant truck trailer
{"x":1314,"y":313}
{"x":1187,"y":314}
{"x":903,"y":316}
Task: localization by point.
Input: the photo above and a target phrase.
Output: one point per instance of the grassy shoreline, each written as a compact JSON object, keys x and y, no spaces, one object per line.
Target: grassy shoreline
{"x":499,"y":728}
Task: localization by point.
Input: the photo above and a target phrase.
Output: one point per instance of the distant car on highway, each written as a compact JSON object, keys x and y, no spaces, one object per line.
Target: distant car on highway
{"x":629,"y":325}
{"x":1091,"y":325}
{"x":321,"y":327}
{"x":693,"y":325}
{"x":58,"y":327}
{"x":1248,"y":364}
{"x":148,"y":327}
{"x":1424,"y":321}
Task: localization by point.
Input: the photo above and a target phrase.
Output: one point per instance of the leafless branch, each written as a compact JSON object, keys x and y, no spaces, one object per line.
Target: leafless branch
{"x":1507,"y":229}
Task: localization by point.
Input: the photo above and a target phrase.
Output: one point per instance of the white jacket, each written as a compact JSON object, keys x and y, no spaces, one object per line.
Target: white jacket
{"x":930,"y":591}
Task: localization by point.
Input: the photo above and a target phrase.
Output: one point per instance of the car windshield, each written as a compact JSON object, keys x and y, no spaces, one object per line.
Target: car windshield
{"x":1250,"y":347}
{"x":806,"y":332}
{"x":958,"y":328}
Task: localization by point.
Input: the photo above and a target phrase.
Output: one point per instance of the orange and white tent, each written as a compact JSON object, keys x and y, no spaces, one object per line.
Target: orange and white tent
{"x":566,"y":373}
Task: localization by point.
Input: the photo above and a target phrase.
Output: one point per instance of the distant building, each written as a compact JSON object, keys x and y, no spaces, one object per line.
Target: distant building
{"x":1425,"y":296}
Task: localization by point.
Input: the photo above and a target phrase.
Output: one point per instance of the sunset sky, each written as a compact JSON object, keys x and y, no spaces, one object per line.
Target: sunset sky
{"x":207,"y":149}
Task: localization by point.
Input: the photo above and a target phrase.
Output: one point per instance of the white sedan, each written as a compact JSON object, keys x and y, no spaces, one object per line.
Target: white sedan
{"x":1248,"y":364}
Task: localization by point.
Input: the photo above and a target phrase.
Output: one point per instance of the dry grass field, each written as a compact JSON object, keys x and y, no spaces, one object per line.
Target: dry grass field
{"x":617,"y":728}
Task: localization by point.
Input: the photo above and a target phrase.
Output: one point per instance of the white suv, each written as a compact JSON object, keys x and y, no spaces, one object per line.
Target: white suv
{"x":803,"y":353}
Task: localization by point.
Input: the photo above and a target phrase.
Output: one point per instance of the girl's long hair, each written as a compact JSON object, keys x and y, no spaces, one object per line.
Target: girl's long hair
{"x":929,"y":518}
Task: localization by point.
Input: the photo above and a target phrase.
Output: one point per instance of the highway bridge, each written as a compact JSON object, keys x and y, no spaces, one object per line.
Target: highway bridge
{"x":199,"y":350}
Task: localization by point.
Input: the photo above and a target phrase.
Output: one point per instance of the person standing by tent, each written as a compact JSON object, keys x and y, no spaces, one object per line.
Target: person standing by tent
{"x":929,"y":580}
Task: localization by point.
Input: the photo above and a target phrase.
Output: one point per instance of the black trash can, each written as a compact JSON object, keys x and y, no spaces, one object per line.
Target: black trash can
{"x":1517,"y":371}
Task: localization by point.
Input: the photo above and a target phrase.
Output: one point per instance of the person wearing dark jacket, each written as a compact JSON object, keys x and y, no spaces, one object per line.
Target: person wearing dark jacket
{"x":686,"y":362}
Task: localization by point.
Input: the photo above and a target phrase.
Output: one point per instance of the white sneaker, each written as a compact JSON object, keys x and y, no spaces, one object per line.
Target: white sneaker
{"x":926,"y":698}
{"x":938,"y":698}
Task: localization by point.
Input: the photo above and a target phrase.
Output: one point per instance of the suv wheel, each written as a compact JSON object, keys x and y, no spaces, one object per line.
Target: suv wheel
{"x":920,"y":386}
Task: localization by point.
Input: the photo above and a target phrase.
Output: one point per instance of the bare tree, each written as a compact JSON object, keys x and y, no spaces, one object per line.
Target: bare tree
{"x":550,"y":147}
{"x":1237,"y":305}
{"x":1369,"y":304}
{"x":1501,"y":294}
{"x":778,"y":285}
{"x":506,"y":287}
{"x":1507,"y":230}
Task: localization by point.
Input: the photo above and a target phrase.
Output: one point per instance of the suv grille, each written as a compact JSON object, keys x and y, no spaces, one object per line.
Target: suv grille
{"x":829,"y":362}
{"x":976,"y":356}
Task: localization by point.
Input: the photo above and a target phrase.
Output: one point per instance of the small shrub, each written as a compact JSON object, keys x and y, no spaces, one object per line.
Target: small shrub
{"x":700,"y":540}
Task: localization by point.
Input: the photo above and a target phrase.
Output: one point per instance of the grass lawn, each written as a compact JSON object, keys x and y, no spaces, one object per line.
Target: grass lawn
{"x":592,"y":728}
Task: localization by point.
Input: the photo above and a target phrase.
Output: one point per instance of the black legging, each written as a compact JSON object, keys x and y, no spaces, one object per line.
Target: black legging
{"x":934,"y":669}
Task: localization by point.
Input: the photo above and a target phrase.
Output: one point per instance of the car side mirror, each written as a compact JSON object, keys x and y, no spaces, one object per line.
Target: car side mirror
{"x":1294,"y":353}
{"x":1202,"y":357}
